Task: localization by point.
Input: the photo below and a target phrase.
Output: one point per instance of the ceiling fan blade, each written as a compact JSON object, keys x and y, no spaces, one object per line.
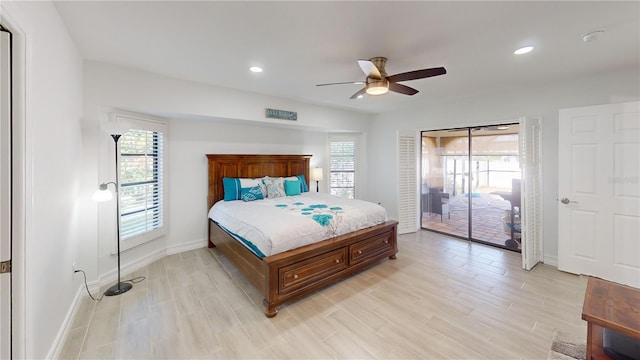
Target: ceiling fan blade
{"x":342,"y":83}
{"x":370,"y":69}
{"x":417,"y":74}
{"x":358,"y":94}
{"x":402,"y":89}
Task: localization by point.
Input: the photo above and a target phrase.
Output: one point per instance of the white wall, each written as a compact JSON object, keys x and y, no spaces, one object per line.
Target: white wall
{"x":53,"y":142}
{"x":202,"y":119}
{"x":191,"y":140}
{"x":504,"y":106}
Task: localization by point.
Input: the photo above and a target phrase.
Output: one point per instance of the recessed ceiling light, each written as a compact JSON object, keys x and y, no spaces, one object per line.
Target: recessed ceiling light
{"x":502,"y":127}
{"x":359,"y":96}
{"x":255,"y":69}
{"x":523,"y":50}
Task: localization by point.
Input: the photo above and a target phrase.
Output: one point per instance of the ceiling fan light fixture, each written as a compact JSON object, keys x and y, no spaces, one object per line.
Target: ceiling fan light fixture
{"x":377,"y":87}
{"x":377,"y":82}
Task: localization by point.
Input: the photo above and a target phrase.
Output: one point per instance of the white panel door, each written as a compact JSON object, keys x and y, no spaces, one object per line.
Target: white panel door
{"x":407,"y":182}
{"x":599,"y":192}
{"x":5,"y":193}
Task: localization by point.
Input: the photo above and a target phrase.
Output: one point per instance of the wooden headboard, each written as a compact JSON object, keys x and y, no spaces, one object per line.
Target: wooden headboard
{"x":251,"y":166}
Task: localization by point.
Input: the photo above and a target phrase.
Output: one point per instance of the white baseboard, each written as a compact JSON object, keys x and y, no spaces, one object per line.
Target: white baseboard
{"x":107,"y":278}
{"x":138,"y":264}
{"x":551,"y":260}
{"x":192,"y":245}
{"x":63,"y":333}
{"x":130,"y":267}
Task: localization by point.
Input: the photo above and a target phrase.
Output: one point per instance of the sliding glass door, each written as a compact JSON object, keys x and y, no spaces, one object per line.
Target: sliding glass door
{"x":445,"y":155}
{"x":471,"y":184}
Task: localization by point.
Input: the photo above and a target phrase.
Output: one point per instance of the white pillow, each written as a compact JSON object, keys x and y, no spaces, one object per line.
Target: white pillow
{"x":275,"y":187}
{"x":249,"y":183}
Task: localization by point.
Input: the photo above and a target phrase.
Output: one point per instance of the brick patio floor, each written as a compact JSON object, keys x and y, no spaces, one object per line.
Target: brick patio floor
{"x":487,"y":211}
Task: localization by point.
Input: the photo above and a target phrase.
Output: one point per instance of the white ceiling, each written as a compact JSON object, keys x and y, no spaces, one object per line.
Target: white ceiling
{"x":304,"y":43}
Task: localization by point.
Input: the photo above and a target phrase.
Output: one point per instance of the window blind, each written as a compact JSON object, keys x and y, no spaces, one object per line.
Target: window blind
{"x":342,"y":181}
{"x":141,"y":182}
{"x":141,"y":178}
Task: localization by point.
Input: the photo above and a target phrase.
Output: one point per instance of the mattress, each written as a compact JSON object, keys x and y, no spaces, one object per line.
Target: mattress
{"x":276,"y":225}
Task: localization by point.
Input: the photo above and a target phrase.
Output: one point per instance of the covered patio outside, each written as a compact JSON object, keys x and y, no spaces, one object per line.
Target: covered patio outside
{"x":488,"y":224}
{"x":472,"y":172}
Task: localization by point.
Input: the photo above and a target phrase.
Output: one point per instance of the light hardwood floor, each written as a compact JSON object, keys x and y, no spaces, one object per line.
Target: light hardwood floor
{"x":442,"y":298}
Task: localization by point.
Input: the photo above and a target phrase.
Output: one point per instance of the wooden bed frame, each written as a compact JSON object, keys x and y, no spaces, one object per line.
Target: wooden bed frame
{"x":290,"y":275}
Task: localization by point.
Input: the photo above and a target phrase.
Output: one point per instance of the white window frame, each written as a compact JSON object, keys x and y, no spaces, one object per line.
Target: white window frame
{"x":124,"y":122}
{"x":345,"y":138}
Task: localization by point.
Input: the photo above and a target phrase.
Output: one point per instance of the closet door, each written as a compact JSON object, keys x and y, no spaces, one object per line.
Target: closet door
{"x":531,"y":196}
{"x":407,"y":182}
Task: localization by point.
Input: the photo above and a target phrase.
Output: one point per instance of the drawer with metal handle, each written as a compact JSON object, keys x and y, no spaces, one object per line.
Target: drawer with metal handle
{"x":302,"y":273}
{"x":371,"y":248}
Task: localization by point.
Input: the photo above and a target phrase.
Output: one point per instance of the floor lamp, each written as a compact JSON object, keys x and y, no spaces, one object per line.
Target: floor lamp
{"x":316,"y":175}
{"x":103,"y":194}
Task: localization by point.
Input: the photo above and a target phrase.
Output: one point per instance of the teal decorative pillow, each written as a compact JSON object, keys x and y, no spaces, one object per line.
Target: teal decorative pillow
{"x":303,"y":182}
{"x":292,"y":187}
{"x":233,"y":187}
{"x":275,"y":187}
{"x":251,"y":194}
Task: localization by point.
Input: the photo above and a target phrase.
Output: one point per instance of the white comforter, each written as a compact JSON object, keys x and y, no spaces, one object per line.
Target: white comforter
{"x":285,"y":223}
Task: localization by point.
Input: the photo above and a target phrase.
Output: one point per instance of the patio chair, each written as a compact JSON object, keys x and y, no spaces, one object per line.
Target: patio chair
{"x":436,"y":202}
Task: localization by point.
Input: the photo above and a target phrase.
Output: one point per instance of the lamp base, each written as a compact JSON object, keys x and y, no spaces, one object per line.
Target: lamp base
{"x":118,"y":289}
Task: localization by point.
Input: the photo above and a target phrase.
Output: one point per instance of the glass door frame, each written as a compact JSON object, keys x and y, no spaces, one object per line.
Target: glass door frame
{"x":468,"y":187}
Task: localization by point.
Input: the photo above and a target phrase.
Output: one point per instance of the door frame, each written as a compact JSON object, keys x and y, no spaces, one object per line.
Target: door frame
{"x":529,"y":136}
{"x":468,"y":185}
{"x":5,"y":191}
{"x":21,"y":175}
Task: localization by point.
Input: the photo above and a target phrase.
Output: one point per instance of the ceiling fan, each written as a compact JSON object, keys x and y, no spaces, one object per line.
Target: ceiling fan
{"x":378,"y":82}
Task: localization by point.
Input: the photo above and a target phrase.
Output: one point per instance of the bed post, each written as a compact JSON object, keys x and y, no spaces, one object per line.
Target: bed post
{"x":209,"y":242}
